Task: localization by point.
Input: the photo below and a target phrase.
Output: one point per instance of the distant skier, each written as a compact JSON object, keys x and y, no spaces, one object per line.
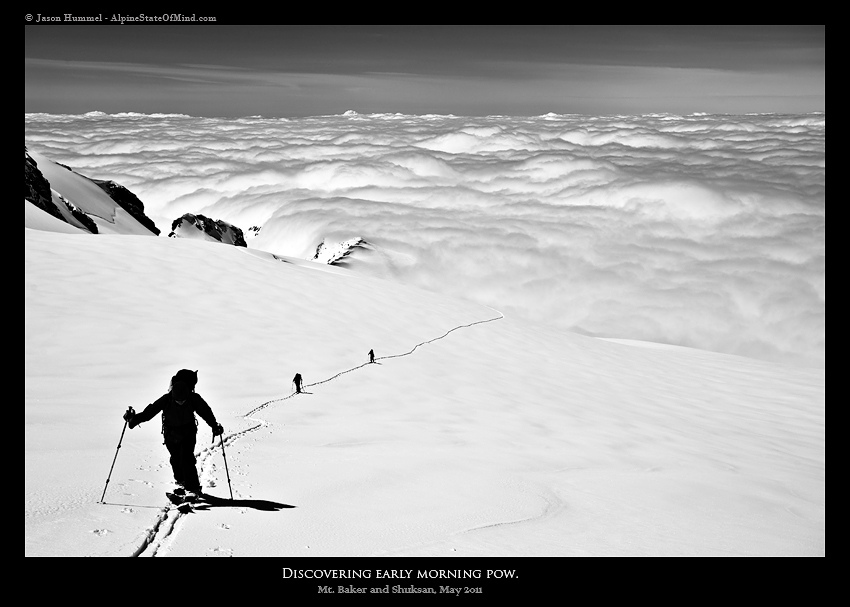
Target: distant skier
{"x":371,"y":356}
{"x":180,"y":427}
{"x":297,"y":381}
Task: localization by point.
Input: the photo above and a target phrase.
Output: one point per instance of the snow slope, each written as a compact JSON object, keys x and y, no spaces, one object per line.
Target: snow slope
{"x":473,"y":434}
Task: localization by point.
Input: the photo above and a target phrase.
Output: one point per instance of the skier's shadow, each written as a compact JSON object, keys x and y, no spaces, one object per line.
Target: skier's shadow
{"x":211,"y":501}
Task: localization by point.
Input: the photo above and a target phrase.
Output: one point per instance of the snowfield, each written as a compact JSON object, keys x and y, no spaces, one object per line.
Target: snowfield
{"x":473,"y":434}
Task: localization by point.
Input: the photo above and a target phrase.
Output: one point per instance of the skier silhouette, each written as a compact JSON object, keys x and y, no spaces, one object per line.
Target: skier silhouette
{"x":297,"y":381}
{"x":180,"y":428}
{"x":371,"y":356}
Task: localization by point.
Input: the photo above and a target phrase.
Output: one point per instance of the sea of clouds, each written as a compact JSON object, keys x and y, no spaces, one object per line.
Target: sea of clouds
{"x":705,"y":230}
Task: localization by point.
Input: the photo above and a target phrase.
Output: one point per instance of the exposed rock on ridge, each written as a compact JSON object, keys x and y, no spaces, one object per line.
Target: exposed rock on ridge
{"x":37,"y":189}
{"x":127,"y":201}
{"x":40,"y":192}
{"x":336,"y":254}
{"x":188,"y":225}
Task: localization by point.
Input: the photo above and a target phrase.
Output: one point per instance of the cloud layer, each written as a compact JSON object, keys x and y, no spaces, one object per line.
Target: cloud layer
{"x":704,"y":231}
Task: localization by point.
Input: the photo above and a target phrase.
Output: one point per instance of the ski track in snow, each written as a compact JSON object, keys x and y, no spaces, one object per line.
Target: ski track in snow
{"x":159,"y":537}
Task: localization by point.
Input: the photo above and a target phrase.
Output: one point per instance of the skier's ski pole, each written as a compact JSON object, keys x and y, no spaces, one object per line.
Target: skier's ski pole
{"x":225,"y":467}
{"x":113,"y":462}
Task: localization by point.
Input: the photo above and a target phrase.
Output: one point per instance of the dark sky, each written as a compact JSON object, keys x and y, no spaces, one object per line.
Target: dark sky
{"x":288,"y":71}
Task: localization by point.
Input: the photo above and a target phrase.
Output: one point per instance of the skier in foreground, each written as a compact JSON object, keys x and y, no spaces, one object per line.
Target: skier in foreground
{"x":179,"y":428}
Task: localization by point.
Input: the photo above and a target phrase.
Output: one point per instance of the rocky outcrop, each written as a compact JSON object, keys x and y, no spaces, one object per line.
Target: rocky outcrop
{"x":213,"y":228}
{"x":87,"y":222}
{"x":127,"y":201}
{"x":335,"y":254}
{"x":37,"y":189}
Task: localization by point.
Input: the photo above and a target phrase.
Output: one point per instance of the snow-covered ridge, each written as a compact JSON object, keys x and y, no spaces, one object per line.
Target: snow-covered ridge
{"x":90,"y":205}
{"x":103,"y":206}
{"x":127,"y":200}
